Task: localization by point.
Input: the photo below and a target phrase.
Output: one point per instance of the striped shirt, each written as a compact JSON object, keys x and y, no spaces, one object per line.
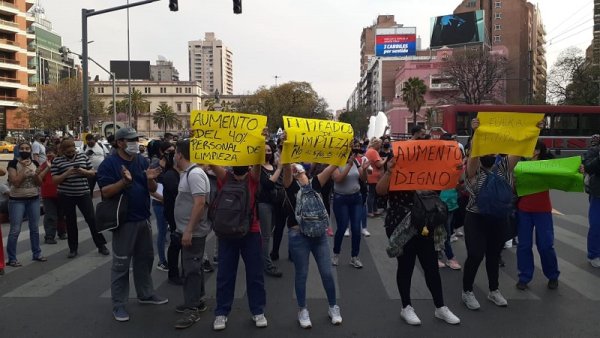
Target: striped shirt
{"x":75,"y":185}
{"x":474,"y":184}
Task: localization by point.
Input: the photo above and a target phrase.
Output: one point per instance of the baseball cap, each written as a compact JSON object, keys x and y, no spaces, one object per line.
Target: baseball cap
{"x":126,"y":133}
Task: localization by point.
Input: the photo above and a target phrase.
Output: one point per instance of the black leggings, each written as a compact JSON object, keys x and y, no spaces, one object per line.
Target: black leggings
{"x":424,"y":248}
{"x":484,"y":237}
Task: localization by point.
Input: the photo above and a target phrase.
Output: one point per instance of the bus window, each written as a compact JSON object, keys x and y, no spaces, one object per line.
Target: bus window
{"x":565,"y":125}
{"x":590,"y":124}
{"x":463,"y":123}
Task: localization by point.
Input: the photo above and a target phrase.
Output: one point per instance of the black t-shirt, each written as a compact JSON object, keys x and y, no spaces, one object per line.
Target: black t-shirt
{"x":266,"y":185}
{"x":291,"y":193}
{"x":400,"y":203}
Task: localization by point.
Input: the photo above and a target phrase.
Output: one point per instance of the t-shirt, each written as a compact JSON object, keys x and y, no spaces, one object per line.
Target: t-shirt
{"x":474,"y":184}
{"x":40,"y":150}
{"x":350,"y":185}
{"x":138,"y":198}
{"x":373,"y":173}
{"x":292,"y":192}
{"x":97,"y":153}
{"x":28,"y":189}
{"x":266,"y":185}
{"x":539,"y":202}
{"x":190,"y":186}
{"x":253,"y":187}
{"x":74,"y":185}
{"x":400,"y":203}
{"x":49,"y":189}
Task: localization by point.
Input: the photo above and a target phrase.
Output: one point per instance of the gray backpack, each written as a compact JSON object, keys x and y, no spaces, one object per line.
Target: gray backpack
{"x":310,"y":212}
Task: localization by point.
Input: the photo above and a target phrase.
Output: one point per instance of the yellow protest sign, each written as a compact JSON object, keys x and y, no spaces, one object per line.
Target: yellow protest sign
{"x":506,"y":133}
{"x":227,"y":139}
{"x":321,"y":141}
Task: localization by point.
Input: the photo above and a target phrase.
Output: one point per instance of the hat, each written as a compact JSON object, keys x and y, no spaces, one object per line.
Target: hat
{"x":126,"y":133}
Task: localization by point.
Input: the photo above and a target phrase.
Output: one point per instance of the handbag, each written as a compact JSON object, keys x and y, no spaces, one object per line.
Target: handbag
{"x":111,"y":212}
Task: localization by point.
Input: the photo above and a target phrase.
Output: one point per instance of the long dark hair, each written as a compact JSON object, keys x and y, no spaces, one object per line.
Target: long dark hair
{"x":273,"y":147}
{"x":544,"y":153}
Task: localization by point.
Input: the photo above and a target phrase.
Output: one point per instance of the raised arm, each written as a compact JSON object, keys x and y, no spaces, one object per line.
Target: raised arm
{"x":383,"y":186}
{"x":219,"y":171}
{"x":326,"y":174}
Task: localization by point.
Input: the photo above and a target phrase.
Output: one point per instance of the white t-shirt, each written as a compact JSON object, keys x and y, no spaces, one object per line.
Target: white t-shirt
{"x":40,"y":150}
{"x":96,"y":154}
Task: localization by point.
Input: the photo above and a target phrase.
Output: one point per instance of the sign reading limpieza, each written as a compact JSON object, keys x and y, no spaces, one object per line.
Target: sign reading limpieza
{"x":227,"y":139}
{"x":321,"y":141}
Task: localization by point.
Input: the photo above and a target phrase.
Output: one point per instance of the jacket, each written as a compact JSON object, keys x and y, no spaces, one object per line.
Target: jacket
{"x":591,"y":164}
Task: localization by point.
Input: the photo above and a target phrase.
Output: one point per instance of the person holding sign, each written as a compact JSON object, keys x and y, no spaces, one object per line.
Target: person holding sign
{"x":486,"y":223}
{"x":535,"y":210}
{"x":591,"y":164}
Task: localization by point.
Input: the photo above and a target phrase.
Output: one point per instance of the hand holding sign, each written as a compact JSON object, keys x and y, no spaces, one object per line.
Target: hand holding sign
{"x":505,"y":133}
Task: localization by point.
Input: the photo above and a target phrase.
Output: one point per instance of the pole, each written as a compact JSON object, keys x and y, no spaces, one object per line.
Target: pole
{"x":128,"y":70}
{"x":112,"y":76}
{"x":84,"y":66}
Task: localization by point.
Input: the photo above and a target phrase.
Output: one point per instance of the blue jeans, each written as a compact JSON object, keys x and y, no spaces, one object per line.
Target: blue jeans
{"x":447,"y":247}
{"x":161,"y":224}
{"x":17,"y":210}
{"x":544,"y":241}
{"x":593,"y":242}
{"x":300,"y":247}
{"x":230,"y":250}
{"x":347,"y":209}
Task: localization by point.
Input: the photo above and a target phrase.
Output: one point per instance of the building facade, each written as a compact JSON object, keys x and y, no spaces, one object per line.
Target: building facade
{"x":15,"y":55}
{"x":367,"y":40}
{"x":211,"y":64}
{"x":163,"y":71}
{"x":182,"y":96}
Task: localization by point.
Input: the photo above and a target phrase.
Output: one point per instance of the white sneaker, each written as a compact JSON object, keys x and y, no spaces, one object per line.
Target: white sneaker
{"x":365,"y":232}
{"x":453,"y":238}
{"x":595,"y":262}
{"x":347,"y":233}
{"x":459,"y":233}
{"x":304,"y":319}
{"x":508,"y":244}
{"x":446,"y":315}
{"x":335,"y":260}
{"x":355,"y":262}
{"x":470,"y":301}
{"x":409,"y":316}
{"x":334,"y":314}
{"x":497,"y":298}
{"x":260,"y":320}
{"x":219,"y":323}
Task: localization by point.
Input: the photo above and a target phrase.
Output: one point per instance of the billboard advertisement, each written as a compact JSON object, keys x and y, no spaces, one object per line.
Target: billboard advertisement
{"x":457,"y":29}
{"x":140,"y":70}
{"x":394,"y":42}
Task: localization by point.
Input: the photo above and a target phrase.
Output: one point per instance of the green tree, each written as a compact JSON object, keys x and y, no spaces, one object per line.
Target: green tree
{"x":165,"y":117}
{"x":413,"y":94}
{"x":358,"y":118}
{"x":572,"y":79}
{"x":139,"y":105}
{"x":210,"y":104}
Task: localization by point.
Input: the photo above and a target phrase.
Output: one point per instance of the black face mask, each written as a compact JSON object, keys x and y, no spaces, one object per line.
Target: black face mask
{"x":356,"y":151}
{"x":386,"y":146}
{"x":487,"y":161}
{"x":25,"y":155}
{"x":240,"y":170}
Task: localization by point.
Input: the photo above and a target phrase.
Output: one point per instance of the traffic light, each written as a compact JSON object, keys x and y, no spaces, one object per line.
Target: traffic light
{"x":237,"y":6}
{"x":64,"y":54}
{"x":173,"y":5}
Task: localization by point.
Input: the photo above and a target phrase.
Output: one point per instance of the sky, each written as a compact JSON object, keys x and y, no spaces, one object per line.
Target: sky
{"x":317,"y":41}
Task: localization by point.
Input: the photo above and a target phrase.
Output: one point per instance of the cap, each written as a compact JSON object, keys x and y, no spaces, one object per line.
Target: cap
{"x":126,"y":133}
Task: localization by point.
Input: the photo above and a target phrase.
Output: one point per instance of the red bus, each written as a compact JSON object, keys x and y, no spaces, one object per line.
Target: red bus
{"x":567,"y":132}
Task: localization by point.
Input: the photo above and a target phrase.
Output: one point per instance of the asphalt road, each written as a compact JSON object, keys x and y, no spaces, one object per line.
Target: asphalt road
{"x":70,"y":298}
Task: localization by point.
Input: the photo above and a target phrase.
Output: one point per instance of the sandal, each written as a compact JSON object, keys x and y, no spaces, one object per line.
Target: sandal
{"x":14,"y":264}
{"x":41,"y":259}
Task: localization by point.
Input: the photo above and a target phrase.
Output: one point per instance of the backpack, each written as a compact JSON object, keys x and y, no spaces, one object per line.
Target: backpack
{"x":428,"y":212}
{"x":310,"y":212}
{"x":495,"y":196}
{"x":230,"y":212}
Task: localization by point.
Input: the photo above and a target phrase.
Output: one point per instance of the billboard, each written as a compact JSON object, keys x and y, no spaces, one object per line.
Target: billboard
{"x":457,"y":29}
{"x":396,"y":41}
{"x":140,"y":70}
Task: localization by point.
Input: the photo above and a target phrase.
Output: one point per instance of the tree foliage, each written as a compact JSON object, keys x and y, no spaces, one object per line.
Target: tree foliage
{"x":477,"y":74}
{"x":573,"y":79}
{"x":291,"y":98}
{"x":210,"y":105}
{"x":58,"y":105}
{"x":165,"y":117}
{"x":139,"y":105}
{"x":358,"y":118}
{"x":413,"y":94}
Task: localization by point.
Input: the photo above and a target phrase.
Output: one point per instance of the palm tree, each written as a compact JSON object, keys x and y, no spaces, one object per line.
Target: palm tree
{"x":138,"y":105}
{"x":165,"y":117}
{"x":413,"y":92}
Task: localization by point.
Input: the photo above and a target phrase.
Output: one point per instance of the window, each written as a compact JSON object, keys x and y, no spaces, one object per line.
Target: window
{"x":163,"y":90}
{"x":590,"y":124}
{"x":178,"y":90}
{"x":178,"y":107}
{"x":497,"y":27}
{"x":188,"y":90}
{"x":498,"y":4}
{"x":188,"y":107}
{"x":471,"y":3}
{"x":497,"y":38}
{"x":564,"y":124}
{"x":498,"y":15}
{"x":101,"y":90}
{"x":147,"y":90}
{"x":118,"y":90}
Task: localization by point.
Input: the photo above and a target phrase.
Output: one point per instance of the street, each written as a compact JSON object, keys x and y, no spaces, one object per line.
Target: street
{"x":71,"y":298}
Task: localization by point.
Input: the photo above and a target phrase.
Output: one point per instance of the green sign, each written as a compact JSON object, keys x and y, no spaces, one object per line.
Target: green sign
{"x":559,"y":174}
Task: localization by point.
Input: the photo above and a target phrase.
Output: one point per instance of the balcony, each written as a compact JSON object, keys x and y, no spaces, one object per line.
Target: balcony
{"x":9,"y":26}
{"x":7,"y":7}
{"x":10,"y":64}
{"x":441,"y":86}
{"x":10,"y":45}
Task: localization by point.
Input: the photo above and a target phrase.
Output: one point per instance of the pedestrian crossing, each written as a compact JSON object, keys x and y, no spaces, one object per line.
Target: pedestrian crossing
{"x":577,"y":276}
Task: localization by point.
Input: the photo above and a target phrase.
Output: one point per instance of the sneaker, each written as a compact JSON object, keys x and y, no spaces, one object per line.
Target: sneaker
{"x":182,"y":308}
{"x":497,"y":298}
{"x":347,"y":233}
{"x":459,"y":233}
{"x":103,"y":250}
{"x":215,"y":260}
{"x":304,"y":319}
{"x":191,"y":317}
{"x":220,"y":323}
{"x":553,"y":284}
{"x":441,"y":264}
{"x":72,"y":254}
{"x":154,"y":300}
{"x":50,"y":241}
{"x":162,"y":267}
{"x":207,"y":267}
{"x":335,"y":260}
{"x":409,"y":316}
{"x":365,"y":232}
{"x":355,"y":262}
{"x":274,"y":256}
{"x":274,"y":272}
{"x":329,"y":232}
{"x":260,"y":320}
{"x":120,"y":314}
{"x":334,"y":314}
{"x":470,"y":301}
{"x":453,"y":238}
{"x":595,"y":262}
{"x":453,"y":264}
{"x":62,"y":236}
{"x":446,"y":315}
{"x":508,"y":244}
{"x":521,"y":286}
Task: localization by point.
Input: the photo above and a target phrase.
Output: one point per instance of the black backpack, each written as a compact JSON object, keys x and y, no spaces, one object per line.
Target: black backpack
{"x":428,"y":212}
{"x":230,"y":212}
{"x":495,"y":197}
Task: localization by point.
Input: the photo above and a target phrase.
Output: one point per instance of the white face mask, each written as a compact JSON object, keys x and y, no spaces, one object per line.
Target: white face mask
{"x":132,"y":148}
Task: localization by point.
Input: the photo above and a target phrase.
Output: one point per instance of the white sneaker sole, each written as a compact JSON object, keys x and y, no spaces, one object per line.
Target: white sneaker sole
{"x":447,"y":321}
{"x":306,"y":326}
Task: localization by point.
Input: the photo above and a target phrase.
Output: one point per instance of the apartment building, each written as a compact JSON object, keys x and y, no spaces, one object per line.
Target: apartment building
{"x":211,"y":64}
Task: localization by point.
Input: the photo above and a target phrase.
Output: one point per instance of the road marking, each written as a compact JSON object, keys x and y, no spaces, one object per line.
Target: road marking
{"x":578,"y":279}
{"x":25,"y":233}
{"x":576,"y":219}
{"x":556,"y":212}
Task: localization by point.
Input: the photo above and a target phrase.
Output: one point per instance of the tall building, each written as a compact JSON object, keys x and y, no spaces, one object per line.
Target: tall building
{"x":596,"y":41}
{"x":367,"y":40}
{"x":14,"y":57}
{"x":211,"y":64}
{"x":163,"y":71}
{"x":517,"y":25}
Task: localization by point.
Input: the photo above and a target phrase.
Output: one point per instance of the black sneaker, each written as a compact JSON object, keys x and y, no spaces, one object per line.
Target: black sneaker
{"x":103,"y":250}
{"x":192,"y":315}
{"x":274,"y":256}
{"x":72,"y":254}
{"x":553,"y":284}
{"x":50,"y":241}
{"x":62,"y":236}
{"x":182,"y":308}
{"x":522,"y":286}
{"x":274,"y":272}
{"x":206,"y":266}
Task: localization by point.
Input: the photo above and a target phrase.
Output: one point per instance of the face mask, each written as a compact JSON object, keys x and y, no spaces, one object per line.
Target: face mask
{"x":25,"y":155}
{"x":132,"y":148}
{"x":356,"y":151}
{"x":487,"y":161}
{"x":386,"y":146}
{"x":240,"y":170}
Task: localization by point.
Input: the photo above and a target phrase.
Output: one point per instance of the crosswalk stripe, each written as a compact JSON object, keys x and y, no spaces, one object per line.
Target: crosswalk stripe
{"x":570,"y":238}
{"x":25,"y":233}
{"x":577,"y":219}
